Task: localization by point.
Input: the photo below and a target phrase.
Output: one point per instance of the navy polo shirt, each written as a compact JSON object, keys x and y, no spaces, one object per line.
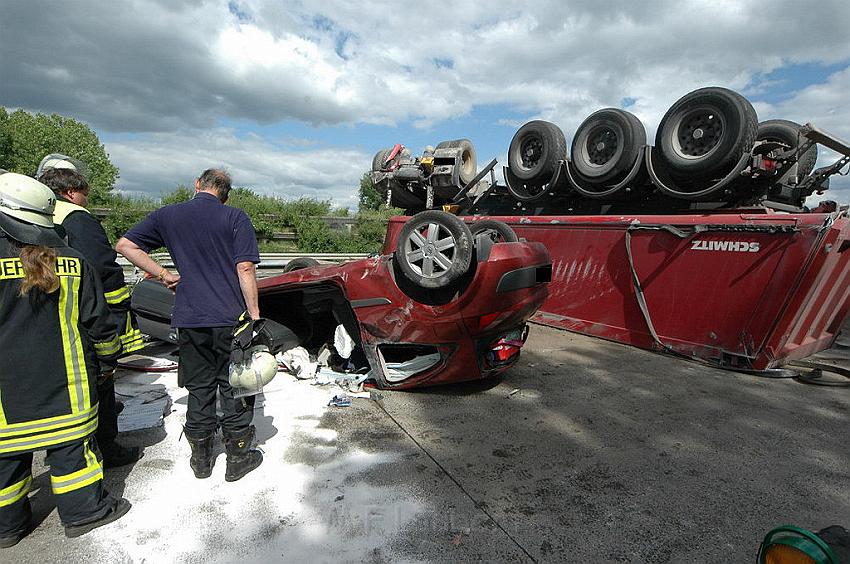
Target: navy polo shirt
{"x":206,"y":239}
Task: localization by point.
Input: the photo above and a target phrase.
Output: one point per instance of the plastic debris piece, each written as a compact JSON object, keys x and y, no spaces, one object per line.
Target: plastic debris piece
{"x":298,"y":362}
{"x":514,"y":391}
{"x":340,"y":400}
{"x":343,"y":342}
{"x":325,"y":376}
{"x":398,"y":371}
{"x":324,"y":355}
{"x":144,"y":363}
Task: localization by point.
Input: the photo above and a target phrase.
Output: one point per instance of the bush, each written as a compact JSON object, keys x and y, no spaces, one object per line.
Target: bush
{"x":269,"y":215}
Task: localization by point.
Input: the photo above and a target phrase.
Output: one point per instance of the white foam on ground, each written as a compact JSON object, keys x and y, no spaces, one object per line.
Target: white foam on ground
{"x":304,"y":503}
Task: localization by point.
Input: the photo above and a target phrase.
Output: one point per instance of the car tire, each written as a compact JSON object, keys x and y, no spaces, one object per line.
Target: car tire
{"x":535,"y":150}
{"x":299,"y":263}
{"x":468,"y":158}
{"x":498,"y":231}
{"x":606,"y":145}
{"x":434,"y":249}
{"x":379,"y":158}
{"x":704,"y":134}
{"x":788,"y":132}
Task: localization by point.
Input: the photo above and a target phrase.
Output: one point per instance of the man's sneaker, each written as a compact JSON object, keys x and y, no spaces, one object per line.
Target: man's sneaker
{"x":121,"y":507}
{"x":115,"y":455}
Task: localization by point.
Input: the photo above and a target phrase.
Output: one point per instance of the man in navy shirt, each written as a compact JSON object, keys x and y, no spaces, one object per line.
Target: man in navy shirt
{"x":214,"y":248}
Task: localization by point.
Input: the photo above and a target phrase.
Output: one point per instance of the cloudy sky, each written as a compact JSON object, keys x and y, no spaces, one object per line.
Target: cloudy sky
{"x":295,"y":98}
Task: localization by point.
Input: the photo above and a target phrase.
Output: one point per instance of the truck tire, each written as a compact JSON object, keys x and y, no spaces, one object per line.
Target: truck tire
{"x":498,"y":231}
{"x":433,"y":249}
{"x":299,"y":263}
{"x":788,"y":132}
{"x":607,"y":145}
{"x":535,"y":150}
{"x":468,"y":159}
{"x":379,"y":158}
{"x":704,"y":134}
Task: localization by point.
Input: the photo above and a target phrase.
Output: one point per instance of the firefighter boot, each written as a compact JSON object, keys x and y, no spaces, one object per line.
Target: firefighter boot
{"x":11,"y":539}
{"x":115,"y":455}
{"x":118,"y":510}
{"x":241,"y":458}
{"x":202,"y":454}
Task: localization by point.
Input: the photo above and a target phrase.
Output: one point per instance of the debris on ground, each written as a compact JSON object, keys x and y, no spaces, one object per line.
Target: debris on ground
{"x":145,"y":404}
{"x":145,"y":363}
{"x":297,"y":362}
{"x":340,"y":400}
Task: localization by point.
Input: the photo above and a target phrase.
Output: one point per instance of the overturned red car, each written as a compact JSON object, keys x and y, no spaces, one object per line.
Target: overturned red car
{"x":449,"y":305}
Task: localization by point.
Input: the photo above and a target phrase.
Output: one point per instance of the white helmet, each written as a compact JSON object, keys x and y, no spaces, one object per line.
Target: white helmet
{"x":58,"y":160}
{"x":256,"y":371}
{"x":26,"y":210}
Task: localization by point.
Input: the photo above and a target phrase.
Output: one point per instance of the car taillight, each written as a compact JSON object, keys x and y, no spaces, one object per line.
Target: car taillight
{"x":507,"y":346}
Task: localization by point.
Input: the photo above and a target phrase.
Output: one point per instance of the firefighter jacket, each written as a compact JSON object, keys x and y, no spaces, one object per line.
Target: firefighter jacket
{"x":51,"y":346}
{"x":86,"y":234}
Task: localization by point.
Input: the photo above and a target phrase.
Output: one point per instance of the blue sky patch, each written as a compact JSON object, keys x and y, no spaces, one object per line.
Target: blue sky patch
{"x":241,"y":14}
{"x":783,"y":83}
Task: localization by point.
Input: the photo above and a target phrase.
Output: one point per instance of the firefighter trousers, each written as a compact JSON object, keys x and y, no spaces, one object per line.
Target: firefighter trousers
{"x":76,"y":478}
{"x":107,"y":418}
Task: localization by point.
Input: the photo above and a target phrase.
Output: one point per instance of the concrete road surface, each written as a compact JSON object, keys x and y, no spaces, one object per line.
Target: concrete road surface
{"x":585,"y":451}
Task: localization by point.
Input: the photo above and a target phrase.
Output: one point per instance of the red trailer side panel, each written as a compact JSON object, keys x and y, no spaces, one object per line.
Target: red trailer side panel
{"x":749,"y":290}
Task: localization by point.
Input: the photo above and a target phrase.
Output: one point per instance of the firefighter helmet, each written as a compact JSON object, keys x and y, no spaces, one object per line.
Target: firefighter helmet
{"x":26,"y":210}
{"x":58,"y":160}
{"x":249,"y":376}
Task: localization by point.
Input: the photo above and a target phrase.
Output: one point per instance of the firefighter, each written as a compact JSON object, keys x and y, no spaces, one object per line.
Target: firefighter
{"x":56,"y":334}
{"x":86,"y":235}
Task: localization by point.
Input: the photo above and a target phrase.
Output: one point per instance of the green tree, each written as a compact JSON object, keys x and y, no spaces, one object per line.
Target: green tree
{"x":270,"y":215}
{"x":4,"y":136}
{"x":180,"y":194}
{"x":26,"y":138}
{"x":370,"y":197}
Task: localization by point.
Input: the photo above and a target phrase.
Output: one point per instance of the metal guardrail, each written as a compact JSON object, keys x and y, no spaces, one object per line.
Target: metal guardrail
{"x":268,"y":261}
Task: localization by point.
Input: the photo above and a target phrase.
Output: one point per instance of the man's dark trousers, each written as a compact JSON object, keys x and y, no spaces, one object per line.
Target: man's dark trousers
{"x":204,"y":360}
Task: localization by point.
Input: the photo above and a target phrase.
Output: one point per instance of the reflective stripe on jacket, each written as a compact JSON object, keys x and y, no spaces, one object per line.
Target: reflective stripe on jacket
{"x":51,"y":346}
{"x":86,"y":234}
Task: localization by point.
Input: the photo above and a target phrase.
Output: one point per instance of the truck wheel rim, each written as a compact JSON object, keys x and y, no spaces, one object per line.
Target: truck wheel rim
{"x":601,"y":146}
{"x":698,"y":132}
{"x":531,"y":151}
{"x":430,"y":250}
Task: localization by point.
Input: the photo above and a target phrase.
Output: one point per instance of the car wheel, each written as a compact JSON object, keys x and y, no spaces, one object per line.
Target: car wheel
{"x":468,"y":159}
{"x":434,"y":248}
{"x":705,"y":132}
{"x":788,"y":132}
{"x":535,"y":150}
{"x":607,"y":145}
{"x":499,"y":232}
{"x":380,"y":158}
{"x":299,"y":263}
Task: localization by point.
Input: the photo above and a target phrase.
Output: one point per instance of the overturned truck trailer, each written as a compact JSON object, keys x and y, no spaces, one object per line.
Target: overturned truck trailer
{"x":747,"y":290}
{"x":700,"y":245}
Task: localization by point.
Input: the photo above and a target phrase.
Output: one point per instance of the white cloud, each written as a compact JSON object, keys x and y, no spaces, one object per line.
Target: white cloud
{"x":157,"y":66}
{"x":157,"y":163}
